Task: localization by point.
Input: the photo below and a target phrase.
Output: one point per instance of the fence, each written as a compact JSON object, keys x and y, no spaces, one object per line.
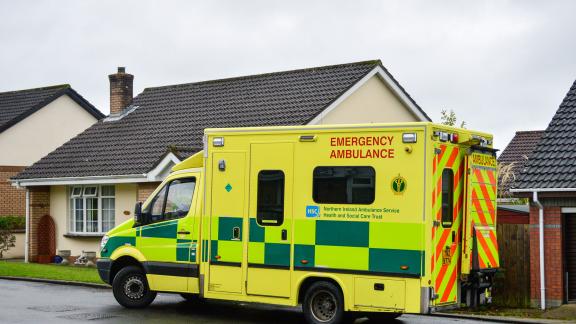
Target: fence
{"x":512,"y":286}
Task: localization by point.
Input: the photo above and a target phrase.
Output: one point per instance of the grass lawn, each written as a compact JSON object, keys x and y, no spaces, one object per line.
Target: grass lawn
{"x":49,"y":271}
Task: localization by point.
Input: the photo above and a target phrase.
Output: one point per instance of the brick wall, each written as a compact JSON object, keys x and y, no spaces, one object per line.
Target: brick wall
{"x":145,"y":190}
{"x":553,"y":257}
{"x":39,"y":206}
{"x":12,"y":199}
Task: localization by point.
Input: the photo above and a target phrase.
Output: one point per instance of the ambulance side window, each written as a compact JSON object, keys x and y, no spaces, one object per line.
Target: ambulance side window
{"x":447,"y":197}
{"x":344,"y":185}
{"x":172,"y":202}
{"x":270,"y":208}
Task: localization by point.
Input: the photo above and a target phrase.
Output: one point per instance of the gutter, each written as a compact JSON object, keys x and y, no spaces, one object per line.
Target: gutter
{"x":130,"y":178}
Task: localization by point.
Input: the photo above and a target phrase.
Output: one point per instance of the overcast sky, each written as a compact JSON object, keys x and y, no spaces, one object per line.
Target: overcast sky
{"x":502,"y":66}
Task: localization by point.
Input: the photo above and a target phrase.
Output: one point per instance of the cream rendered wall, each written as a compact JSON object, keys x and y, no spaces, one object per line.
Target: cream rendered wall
{"x":373,"y":102}
{"x":17,"y":252}
{"x":59,"y":210}
{"x":43,"y":131}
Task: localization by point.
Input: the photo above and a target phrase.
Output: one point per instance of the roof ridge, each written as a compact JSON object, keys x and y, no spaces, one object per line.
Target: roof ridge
{"x":58,"y":86}
{"x":249,"y":76}
{"x":531,"y":131}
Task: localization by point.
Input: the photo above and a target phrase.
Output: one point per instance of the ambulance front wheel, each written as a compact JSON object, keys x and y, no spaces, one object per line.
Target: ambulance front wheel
{"x":130,"y":288}
{"x":323,"y":304}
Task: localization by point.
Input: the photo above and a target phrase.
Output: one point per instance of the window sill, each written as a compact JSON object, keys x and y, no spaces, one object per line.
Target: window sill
{"x":72,"y":235}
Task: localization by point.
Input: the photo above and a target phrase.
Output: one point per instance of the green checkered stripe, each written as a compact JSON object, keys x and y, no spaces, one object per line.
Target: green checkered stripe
{"x":223,"y":247}
{"x":266,"y":247}
{"x":394,"y":248}
{"x":164,"y":231}
{"x":359,"y":246}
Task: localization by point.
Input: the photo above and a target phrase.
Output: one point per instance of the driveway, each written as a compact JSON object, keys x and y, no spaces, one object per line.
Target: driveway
{"x":27,"y":302}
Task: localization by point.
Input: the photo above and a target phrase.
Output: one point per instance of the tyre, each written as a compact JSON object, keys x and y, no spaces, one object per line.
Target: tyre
{"x":130,"y":288}
{"x":382,"y":317}
{"x":323,"y":304}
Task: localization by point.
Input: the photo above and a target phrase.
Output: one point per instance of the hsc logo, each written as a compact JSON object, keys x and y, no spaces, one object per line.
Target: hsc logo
{"x":312,"y":211}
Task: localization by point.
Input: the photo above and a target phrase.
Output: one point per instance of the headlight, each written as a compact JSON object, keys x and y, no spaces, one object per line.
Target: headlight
{"x":104,"y":241}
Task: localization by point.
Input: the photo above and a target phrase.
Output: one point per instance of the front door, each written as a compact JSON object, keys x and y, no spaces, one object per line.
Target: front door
{"x":447,"y":202}
{"x":570,"y":253}
{"x":270,"y":219}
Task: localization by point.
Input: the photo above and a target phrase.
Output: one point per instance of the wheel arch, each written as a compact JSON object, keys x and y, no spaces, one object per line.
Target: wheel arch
{"x":124,"y":256}
{"x":310,"y":279}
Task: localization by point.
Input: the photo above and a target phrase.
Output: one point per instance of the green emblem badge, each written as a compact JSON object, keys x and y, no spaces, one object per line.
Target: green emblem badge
{"x":399,"y":185}
{"x":228,"y":187}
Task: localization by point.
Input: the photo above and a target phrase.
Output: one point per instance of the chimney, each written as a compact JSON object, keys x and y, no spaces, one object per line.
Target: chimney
{"x":120,"y":91}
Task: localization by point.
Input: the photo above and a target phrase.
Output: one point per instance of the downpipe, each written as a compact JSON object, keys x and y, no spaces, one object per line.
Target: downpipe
{"x":541,"y":246}
{"x":27,"y":234}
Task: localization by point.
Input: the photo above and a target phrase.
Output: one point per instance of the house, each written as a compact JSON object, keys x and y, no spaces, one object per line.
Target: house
{"x":514,"y":157}
{"x":512,"y":287}
{"x":33,"y":123}
{"x":549,"y":181}
{"x":92,"y":182}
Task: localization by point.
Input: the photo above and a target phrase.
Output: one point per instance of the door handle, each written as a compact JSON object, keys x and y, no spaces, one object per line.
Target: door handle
{"x":236,"y":233}
{"x":284,"y":235}
{"x":184,"y":232}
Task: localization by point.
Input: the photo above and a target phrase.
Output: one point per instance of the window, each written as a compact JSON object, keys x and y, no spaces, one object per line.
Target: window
{"x":344,"y":185}
{"x":92,"y":209}
{"x":270,"y":208}
{"x":90,"y":191}
{"x":447,"y":197}
{"x":76,"y":192}
{"x":172,"y":202}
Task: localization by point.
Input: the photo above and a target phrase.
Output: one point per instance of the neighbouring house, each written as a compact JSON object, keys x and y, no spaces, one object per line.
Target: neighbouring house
{"x":513,"y":159}
{"x":33,"y":123}
{"x":549,"y":181}
{"x":513,"y":281}
{"x":91,"y":183}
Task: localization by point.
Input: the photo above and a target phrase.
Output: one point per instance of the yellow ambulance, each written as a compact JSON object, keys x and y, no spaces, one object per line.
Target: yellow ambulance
{"x":351,"y":220}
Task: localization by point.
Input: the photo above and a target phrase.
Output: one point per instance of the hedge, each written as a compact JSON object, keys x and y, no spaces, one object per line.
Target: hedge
{"x":12,"y":223}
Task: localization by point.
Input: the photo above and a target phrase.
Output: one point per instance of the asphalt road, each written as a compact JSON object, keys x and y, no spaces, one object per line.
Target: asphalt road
{"x":28,"y":302}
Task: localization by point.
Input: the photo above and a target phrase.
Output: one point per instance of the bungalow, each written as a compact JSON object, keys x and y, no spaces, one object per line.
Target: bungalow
{"x":549,"y":181}
{"x":91,"y":183}
{"x":34,"y":122}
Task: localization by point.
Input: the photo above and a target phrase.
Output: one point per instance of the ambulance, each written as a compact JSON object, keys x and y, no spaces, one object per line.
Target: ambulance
{"x":369,"y":220}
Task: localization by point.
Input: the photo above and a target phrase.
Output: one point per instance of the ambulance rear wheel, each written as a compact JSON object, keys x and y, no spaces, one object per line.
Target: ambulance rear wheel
{"x":130,"y":288}
{"x":323,"y":304}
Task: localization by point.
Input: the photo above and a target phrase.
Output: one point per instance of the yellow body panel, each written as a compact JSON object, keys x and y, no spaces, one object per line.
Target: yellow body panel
{"x":384,"y":254}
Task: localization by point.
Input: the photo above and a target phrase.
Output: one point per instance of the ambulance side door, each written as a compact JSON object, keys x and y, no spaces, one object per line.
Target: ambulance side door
{"x":448,"y":201}
{"x":270,"y":219}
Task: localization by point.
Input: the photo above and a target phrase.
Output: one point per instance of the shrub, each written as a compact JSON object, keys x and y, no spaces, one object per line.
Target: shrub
{"x":11,"y":223}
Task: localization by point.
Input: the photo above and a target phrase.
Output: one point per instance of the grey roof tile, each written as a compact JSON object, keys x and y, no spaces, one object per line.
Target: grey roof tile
{"x":553,"y":163}
{"x":177,"y":115}
{"x":517,"y":154}
{"x":17,"y":105}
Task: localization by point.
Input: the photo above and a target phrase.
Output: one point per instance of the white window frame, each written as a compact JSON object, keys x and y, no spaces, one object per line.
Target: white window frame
{"x":72,"y":211}
{"x":73,"y":195}
{"x":94,"y":194}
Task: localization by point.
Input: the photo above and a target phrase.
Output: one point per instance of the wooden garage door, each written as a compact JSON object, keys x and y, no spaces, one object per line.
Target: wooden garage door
{"x":570,"y":239}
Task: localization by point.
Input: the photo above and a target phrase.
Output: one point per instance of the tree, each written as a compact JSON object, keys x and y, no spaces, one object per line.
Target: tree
{"x":449,"y":118}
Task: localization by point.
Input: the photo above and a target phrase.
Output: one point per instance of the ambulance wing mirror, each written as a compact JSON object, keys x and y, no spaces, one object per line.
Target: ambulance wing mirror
{"x":138,"y":219}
